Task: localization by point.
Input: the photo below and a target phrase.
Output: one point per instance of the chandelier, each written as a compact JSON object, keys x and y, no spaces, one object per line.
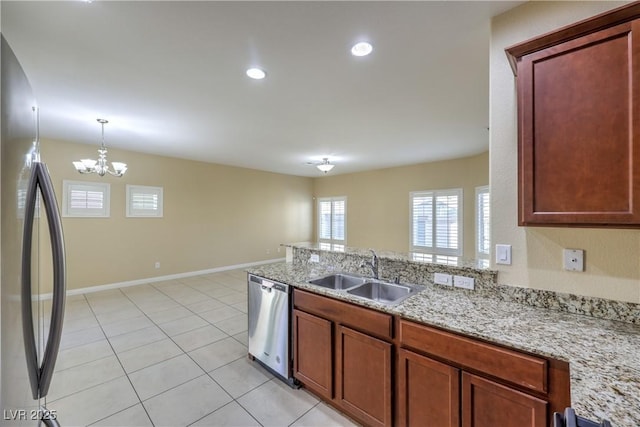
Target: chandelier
{"x":100,"y":166}
{"x":325,"y":166}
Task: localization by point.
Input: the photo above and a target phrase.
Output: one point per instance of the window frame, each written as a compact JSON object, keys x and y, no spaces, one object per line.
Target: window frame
{"x":68,"y":212}
{"x":480,"y":222}
{"x":144,"y":213}
{"x":332,"y":240}
{"x":433,"y":249}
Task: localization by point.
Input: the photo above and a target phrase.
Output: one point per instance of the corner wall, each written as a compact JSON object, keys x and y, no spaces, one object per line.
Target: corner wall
{"x":612,"y":256}
{"x":214,"y":216}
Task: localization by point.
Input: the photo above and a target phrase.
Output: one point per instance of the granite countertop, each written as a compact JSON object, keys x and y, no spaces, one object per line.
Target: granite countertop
{"x":603,"y":354}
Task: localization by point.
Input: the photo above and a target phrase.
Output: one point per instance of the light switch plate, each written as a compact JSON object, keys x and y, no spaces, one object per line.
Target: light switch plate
{"x":442,"y":279}
{"x":503,"y":254}
{"x":573,"y":259}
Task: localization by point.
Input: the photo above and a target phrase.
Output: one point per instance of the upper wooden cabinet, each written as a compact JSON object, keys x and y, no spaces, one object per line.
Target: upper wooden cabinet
{"x":579,"y":123}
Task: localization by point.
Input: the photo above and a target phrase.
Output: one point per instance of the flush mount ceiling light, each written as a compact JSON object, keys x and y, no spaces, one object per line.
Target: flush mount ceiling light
{"x":325,"y":166}
{"x":100,"y":166}
{"x":256,"y":73}
{"x":361,"y":49}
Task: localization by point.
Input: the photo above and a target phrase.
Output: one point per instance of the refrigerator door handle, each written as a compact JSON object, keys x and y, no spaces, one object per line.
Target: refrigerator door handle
{"x":40,"y":376}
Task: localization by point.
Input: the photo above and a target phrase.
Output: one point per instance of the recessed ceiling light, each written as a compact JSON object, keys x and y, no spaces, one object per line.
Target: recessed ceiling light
{"x":256,"y":73}
{"x":361,"y":49}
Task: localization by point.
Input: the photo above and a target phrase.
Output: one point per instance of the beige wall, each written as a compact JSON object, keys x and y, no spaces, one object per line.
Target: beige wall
{"x":214,"y":216}
{"x":378,"y":200}
{"x":612,"y":257}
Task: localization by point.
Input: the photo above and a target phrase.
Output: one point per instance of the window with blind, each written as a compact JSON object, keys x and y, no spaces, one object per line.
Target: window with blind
{"x":332,"y":220}
{"x":144,"y":201}
{"x":436,"y":221}
{"x":85,"y":199}
{"x":483,"y":224}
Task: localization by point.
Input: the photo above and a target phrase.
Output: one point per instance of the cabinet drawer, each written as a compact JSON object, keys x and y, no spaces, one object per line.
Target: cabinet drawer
{"x":515,"y":367}
{"x":360,"y":318}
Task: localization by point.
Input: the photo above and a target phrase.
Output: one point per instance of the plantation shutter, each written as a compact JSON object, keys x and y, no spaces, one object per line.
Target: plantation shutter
{"x":483,"y":231}
{"x":332,"y":220}
{"x":436,"y":221}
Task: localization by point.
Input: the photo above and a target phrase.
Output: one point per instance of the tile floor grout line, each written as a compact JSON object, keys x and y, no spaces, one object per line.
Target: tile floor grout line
{"x":196,"y":363}
{"x":116,"y":413}
{"x":237,"y":337}
{"x":123,"y":369}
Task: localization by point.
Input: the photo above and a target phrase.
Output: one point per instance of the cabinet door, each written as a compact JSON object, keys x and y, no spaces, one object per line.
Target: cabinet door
{"x":489,"y":404}
{"x":363,"y":376}
{"x":579,"y":136}
{"x":428,"y":392}
{"x":312,"y":352}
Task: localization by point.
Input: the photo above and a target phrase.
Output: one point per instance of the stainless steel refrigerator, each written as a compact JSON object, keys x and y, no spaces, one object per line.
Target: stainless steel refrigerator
{"x":31,"y":315}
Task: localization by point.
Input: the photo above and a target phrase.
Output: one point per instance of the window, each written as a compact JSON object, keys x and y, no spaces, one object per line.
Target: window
{"x":483,"y":223}
{"x":436,"y":221}
{"x":332,"y":220}
{"x":143,"y":201}
{"x":85,"y":199}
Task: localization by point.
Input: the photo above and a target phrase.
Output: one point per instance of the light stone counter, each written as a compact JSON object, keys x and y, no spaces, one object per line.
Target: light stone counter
{"x":603,"y":354}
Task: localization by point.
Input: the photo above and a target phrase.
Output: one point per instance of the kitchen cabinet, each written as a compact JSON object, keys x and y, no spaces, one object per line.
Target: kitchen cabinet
{"x":578,"y":92}
{"x":486,"y":403}
{"x":428,"y":392}
{"x":313,"y":358}
{"x":499,"y":386}
{"x":357,"y":359}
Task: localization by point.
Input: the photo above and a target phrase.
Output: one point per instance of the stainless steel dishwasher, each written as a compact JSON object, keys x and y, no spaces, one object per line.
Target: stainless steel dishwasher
{"x":269,"y":326}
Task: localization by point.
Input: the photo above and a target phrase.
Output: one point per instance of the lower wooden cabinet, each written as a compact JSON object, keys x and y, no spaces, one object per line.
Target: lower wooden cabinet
{"x":344,"y":354}
{"x":384,"y":371}
{"x":363,"y":372}
{"x":446,"y":379}
{"x":312,"y":352}
{"x":428,"y":392}
{"x":489,"y":404}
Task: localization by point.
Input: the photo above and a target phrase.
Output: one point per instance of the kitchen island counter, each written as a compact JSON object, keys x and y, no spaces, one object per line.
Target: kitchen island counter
{"x":604,"y":367}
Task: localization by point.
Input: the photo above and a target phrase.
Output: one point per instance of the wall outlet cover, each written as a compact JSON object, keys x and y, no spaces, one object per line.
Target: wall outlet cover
{"x":464,"y":282}
{"x":314,"y":258}
{"x":442,"y":279}
{"x":573,"y":259}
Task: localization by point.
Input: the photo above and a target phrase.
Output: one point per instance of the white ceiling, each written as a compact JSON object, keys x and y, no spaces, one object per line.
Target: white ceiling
{"x":169,"y":77}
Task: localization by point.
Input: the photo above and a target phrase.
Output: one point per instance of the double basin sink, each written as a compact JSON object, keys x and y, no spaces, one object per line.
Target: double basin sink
{"x":367,"y":288}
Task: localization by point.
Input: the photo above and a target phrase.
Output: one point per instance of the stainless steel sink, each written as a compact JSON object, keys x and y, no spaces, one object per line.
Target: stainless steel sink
{"x":339,"y":281}
{"x":382,"y":292}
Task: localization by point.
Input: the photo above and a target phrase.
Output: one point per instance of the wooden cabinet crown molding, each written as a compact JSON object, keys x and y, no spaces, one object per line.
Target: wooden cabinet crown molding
{"x":599,"y":22}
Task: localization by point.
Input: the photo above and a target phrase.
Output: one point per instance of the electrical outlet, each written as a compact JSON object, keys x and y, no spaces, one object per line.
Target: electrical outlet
{"x":314,"y":258}
{"x":442,"y":279}
{"x":157,"y":264}
{"x":464,"y":282}
{"x":573,"y":259}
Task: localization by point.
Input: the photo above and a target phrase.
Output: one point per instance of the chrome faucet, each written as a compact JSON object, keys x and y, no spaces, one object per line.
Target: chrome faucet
{"x":373,"y":264}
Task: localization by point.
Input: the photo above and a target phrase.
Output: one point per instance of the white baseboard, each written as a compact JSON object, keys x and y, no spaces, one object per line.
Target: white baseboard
{"x":128,"y":283}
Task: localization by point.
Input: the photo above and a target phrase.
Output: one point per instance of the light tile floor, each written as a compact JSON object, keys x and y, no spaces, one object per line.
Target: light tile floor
{"x":171,"y":353}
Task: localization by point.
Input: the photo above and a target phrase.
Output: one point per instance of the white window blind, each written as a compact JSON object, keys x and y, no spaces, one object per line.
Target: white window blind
{"x":483,"y":223}
{"x":144,"y":201}
{"x":332,"y":219}
{"x":84,"y":199}
{"x":436,"y":221}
